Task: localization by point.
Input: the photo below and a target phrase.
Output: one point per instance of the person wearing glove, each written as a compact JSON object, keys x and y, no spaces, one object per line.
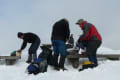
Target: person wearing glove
{"x":35,"y":42}
{"x":19,"y":53}
{"x":90,"y":38}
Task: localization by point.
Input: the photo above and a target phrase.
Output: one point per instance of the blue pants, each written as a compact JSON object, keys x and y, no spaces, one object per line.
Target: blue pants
{"x":59,"y":47}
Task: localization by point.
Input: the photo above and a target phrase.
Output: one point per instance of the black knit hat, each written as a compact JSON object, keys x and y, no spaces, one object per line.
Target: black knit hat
{"x":20,"y":34}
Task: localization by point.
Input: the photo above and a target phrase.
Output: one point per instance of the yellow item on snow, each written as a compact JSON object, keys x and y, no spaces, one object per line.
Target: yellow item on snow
{"x":87,"y":63}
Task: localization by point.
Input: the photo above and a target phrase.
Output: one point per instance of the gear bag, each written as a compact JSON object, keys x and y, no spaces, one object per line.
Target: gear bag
{"x":39,"y":66}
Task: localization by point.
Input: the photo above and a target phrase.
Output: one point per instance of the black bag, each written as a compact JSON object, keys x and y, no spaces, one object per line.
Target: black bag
{"x":47,"y":54}
{"x":40,"y":65}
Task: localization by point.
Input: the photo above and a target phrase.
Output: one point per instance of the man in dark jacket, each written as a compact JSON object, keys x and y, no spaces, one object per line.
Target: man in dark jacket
{"x":92,"y":39}
{"x":35,"y":42}
{"x":60,"y":34}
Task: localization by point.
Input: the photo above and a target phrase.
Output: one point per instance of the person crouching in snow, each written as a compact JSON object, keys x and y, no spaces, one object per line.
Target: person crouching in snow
{"x":35,"y":42}
{"x":92,"y":37}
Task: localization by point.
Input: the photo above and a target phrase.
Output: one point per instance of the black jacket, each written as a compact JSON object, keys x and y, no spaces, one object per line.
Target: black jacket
{"x":29,"y":38}
{"x":60,"y":30}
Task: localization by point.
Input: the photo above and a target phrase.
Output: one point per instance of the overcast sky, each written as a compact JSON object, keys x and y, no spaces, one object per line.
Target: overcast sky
{"x":38,"y":16}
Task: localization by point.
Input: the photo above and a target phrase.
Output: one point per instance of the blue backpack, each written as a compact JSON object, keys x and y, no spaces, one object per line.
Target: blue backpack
{"x":35,"y":68}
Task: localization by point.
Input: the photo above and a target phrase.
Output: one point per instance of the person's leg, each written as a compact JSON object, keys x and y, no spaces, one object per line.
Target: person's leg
{"x":33,"y":49}
{"x":29,"y":60}
{"x":91,"y":51}
{"x":63,"y":53}
{"x":56,"y":53}
{"x":93,"y":59}
{"x":34,"y":56}
{"x":62,"y":61}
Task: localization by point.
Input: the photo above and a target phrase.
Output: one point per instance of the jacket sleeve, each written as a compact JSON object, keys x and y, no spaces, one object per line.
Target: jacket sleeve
{"x":53,"y":31}
{"x":24,"y":44}
{"x":86,"y":33}
{"x":67,"y":31}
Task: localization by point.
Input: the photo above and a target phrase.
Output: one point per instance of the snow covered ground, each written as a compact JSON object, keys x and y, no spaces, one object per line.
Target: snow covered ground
{"x":107,"y":70}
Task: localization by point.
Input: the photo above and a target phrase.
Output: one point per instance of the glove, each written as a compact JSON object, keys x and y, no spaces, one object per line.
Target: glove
{"x":19,"y":54}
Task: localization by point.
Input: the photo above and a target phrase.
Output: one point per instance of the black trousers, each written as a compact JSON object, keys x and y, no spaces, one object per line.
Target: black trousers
{"x":33,"y":50}
{"x":91,"y":50}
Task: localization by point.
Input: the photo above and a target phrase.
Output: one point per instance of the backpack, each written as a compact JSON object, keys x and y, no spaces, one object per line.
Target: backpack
{"x":39,"y":66}
{"x":47,"y":54}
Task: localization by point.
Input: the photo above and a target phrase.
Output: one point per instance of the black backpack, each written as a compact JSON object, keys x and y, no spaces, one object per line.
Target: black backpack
{"x":40,"y":65}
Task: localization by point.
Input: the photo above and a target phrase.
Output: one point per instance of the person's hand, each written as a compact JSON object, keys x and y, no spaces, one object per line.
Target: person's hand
{"x":19,"y":50}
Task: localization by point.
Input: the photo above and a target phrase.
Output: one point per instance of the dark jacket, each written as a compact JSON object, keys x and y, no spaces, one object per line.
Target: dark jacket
{"x":60,"y":31}
{"x":90,"y":33}
{"x":29,"y":38}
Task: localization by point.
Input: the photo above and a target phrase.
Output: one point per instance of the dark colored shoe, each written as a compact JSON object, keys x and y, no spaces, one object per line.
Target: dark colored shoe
{"x":88,"y":66}
{"x":64,"y":69}
{"x":80,"y":70}
{"x":56,"y":68}
{"x":28,"y":61}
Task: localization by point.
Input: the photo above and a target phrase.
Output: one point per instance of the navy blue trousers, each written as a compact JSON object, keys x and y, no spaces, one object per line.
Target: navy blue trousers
{"x":59,"y":48}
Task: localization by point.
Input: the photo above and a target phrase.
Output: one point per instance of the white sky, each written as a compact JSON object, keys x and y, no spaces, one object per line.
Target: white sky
{"x":38,"y":16}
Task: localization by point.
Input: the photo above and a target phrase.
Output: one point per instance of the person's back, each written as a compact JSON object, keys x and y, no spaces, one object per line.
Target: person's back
{"x":60,"y":30}
{"x":90,"y":32}
{"x":35,"y":42}
{"x":94,"y":33}
{"x":30,"y":37}
{"x":59,"y":36}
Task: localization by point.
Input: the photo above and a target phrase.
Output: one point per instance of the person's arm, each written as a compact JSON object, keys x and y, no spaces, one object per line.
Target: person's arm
{"x":24,"y":44}
{"x":86,"y":33}
{"x":52,"y":34}
{"x":67,"y":31}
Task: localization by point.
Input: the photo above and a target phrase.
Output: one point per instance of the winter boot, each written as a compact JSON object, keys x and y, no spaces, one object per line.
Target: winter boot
{"x":29,"y":58}
{"x":86,"y":65}
{"x":56,"y":68}
{"x":93,"y":59}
